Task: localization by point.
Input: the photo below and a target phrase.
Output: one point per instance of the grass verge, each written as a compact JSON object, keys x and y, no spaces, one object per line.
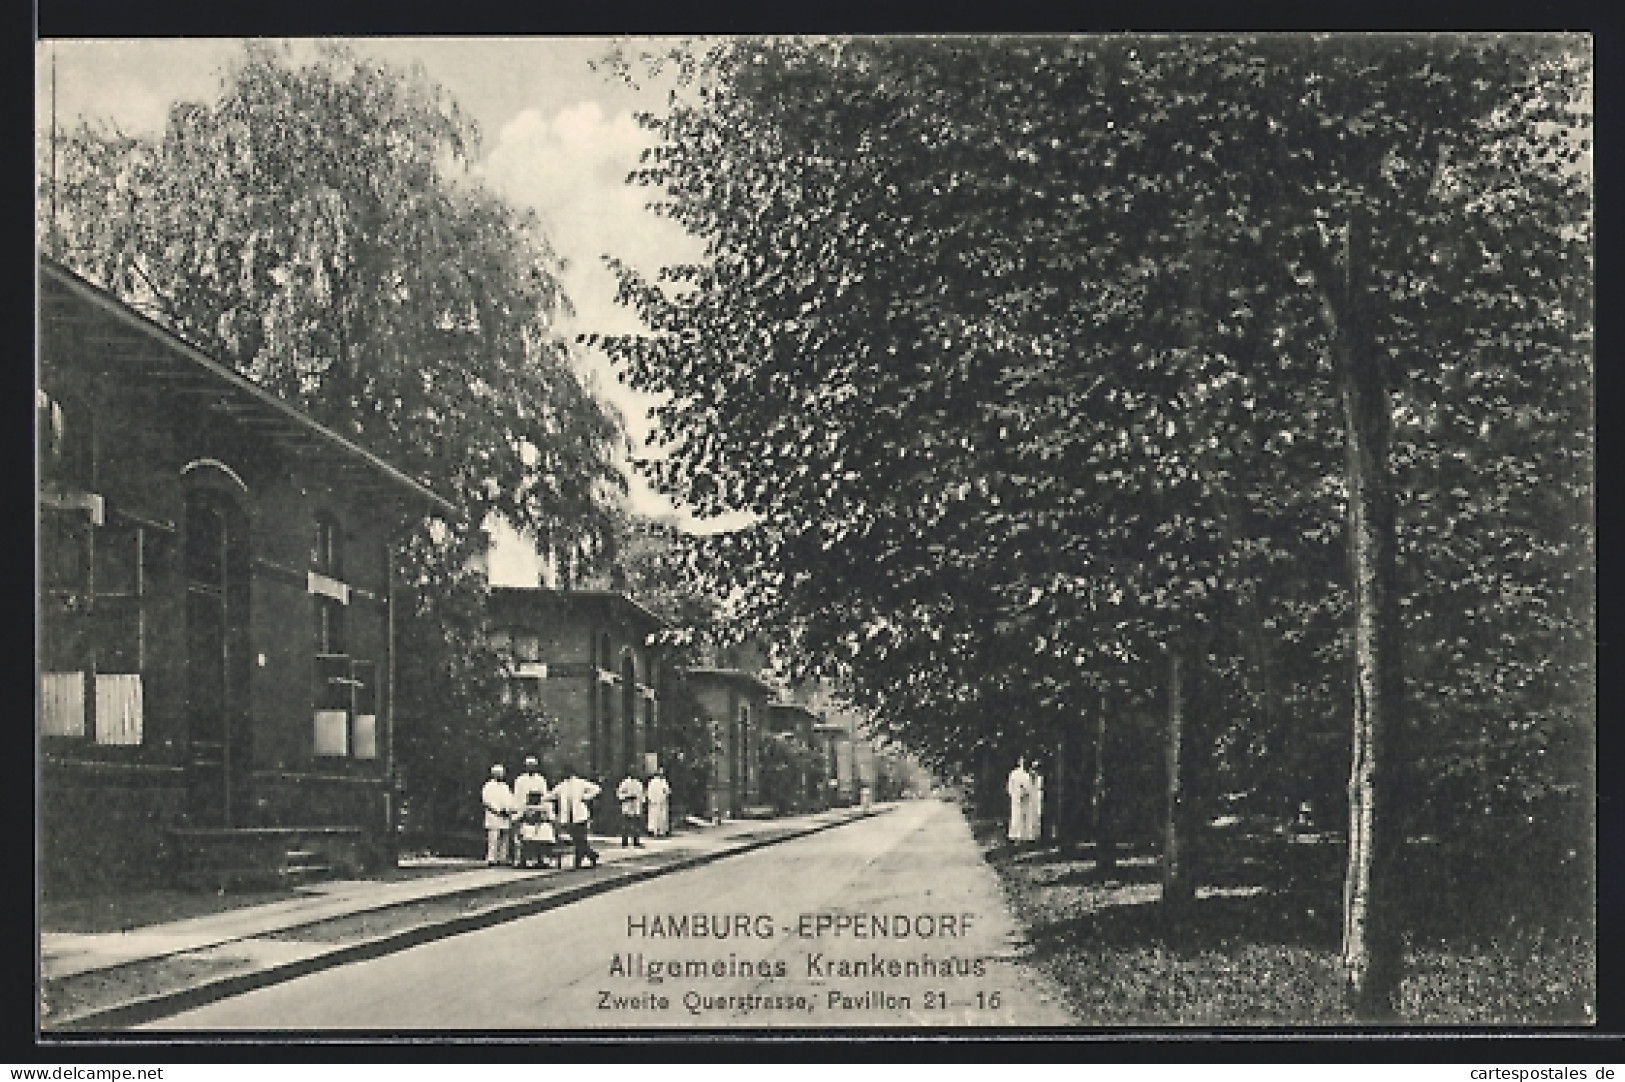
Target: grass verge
{"x":1260,"y":946}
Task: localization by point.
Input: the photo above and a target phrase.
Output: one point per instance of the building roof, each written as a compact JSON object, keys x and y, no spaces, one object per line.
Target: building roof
{"x":736,"y":676}
{"x":797,"y":716}
{"x":131,"y":337}
{"x":546,"y":598}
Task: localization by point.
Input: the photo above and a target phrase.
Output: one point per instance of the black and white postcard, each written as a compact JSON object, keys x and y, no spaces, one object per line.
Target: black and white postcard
{"x":788,"y":536}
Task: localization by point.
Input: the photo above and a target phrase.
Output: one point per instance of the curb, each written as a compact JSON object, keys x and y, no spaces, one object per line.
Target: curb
{"x":162,"y":1004}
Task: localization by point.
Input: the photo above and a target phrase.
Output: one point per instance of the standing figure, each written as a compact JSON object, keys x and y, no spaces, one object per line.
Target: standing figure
{"x":571,"y":796}
{"x":630,"y":794}
{"x":499,"y":809}
{"x":1020,"y":787}
{"x":1035,"y":810}
{"x":658,"y":793}
{"x":529,"y":781}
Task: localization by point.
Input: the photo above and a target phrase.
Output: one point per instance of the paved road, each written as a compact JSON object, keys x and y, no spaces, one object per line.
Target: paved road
{"x":891,"y":921}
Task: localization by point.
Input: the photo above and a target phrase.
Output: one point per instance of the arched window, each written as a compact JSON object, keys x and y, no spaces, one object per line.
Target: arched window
{"x":92,"y":582}
{"x":327,"y":561}
{"x":601,"y":753}
{"x":651,"y":735}
{"x":629,"y":712}
{"x":604,"y":738}
{"x":64,"y":438}
{"x":327,"y":554}
{"x":68,"y":517}
{"x":345,"y":698}
{"x":527,"y":647}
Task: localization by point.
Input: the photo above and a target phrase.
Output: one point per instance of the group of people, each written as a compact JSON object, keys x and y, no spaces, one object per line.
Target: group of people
{"x":1026,"y":788}
{"x":523,"y":821}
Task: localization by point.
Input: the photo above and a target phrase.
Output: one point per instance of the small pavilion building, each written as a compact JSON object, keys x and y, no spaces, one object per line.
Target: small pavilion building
{"x":216,"y":614}
{"x":586,"y":659}
{"x":735,"y":704}
{"x":797,"y":722}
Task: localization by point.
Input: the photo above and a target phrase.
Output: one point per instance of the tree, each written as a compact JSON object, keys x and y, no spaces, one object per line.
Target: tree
{"x":315,"y":227}
{"x":1131,"y":322}
{"x":787,"y":764}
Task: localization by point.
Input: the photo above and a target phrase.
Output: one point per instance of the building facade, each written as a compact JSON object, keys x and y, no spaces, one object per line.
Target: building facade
{"x":215,"y":603}
{"x":841,"y":739}
{"x":734,"y":704}
{"x":585,"y":658}
{"x":796,"y":723}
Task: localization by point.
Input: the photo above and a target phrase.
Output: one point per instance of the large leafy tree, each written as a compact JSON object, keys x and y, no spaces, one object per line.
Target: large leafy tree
{"x":316,"y":227}
{"x":1037,"y":360}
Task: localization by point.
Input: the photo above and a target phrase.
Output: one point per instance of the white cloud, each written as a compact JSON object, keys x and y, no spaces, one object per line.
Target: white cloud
{"x":572,"y":168}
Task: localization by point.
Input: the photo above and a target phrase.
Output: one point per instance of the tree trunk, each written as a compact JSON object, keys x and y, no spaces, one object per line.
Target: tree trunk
{"x":1062,"y":830}
{"x":1099,"y":819}
{"x":1177,"y":889}
{"x":989,"y":795}
{"x":1372,"y":917}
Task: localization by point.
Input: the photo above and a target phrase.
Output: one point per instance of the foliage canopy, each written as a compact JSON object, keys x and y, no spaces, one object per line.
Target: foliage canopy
{"x":1020,"y":352}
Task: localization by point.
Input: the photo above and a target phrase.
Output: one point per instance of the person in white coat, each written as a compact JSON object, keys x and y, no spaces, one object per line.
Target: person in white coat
{"x":1035,"y":805}
{"x":533,"y":828}
{"x":1019,"y":785}
{"x":497,"y":799}
{"x":571,"y":796}
{"x":529,"y":781}
{"x":630,"y":794}
{"x":658,"y":794}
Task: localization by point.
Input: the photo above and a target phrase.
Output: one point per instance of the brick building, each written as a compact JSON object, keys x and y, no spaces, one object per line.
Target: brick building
{"x":734,"y":702}
{"x":797,"y":722}
{"x":215,"y":611}
{"x":584,"y":657}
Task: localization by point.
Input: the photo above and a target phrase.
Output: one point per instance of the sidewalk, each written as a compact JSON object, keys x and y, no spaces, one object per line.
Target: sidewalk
{"x":112,"y":980}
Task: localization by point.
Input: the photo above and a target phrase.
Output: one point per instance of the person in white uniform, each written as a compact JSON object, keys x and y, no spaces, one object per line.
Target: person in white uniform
{"x":1020,"y":787}
{"x":630,"y":794}
{"x":531,"y":780}
{"x":533,"y":828}
{"x":497,"y":799}
{"x":1035,"y":805}
{"x":571,"y":796}
{"x":658,"y":794}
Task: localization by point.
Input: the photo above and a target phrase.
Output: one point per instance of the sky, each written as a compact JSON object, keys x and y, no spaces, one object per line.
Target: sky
{"x":555,"y":135}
